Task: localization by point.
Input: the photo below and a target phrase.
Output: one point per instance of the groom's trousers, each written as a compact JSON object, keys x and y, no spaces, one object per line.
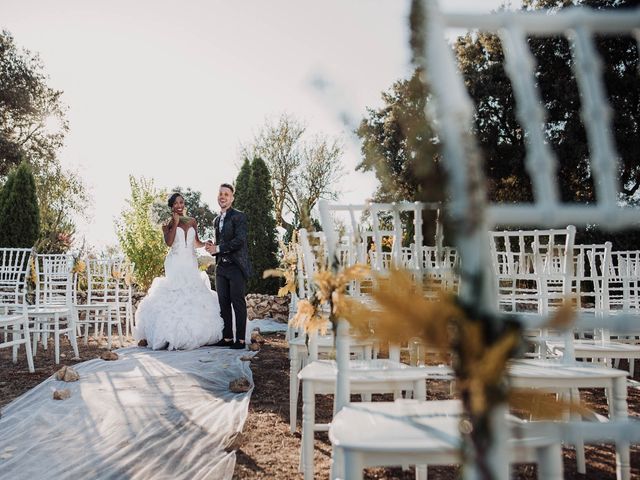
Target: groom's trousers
{"x":230,"y":286}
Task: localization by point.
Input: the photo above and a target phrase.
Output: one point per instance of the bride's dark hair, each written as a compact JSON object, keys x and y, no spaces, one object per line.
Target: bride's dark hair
{"x":172,"y":199}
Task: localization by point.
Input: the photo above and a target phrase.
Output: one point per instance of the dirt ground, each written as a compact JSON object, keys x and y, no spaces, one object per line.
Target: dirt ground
{"x":15,"y":379}
{"x":268,"y":450}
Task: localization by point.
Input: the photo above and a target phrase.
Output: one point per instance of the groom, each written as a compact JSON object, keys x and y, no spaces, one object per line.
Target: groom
{"x":233,"y":267}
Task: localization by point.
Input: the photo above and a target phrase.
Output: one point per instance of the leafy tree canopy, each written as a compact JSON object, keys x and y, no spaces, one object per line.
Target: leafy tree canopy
{"x":33,"y":126}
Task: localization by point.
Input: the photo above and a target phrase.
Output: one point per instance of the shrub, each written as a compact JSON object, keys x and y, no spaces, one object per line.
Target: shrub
{"x":19,"y":213}
{"x":140,"y":238}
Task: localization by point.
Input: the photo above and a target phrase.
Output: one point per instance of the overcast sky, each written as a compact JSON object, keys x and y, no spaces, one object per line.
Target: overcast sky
{"x":170,"y":89}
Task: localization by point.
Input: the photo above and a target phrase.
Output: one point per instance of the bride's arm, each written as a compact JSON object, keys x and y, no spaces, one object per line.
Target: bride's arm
{"x":169,"y":230}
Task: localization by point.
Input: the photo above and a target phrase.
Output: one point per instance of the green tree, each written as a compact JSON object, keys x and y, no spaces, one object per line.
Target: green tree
{"x":262,"y":238}
{"x":243,"y":180}
{"x":140,"y":238}
{"x":502,"y":138}
{"x":302,"y":170}
{"x":19,"y":213}
{"x":33,"y":125}
{"x":397,"y":140}
{"x":398,"y":144}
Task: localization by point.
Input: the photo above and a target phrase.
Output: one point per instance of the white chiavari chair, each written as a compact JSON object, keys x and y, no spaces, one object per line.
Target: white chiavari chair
{"x":53,"y":312}
{"x":305,"y":348}
{"x":102,"y":307}
{"x":624,"y":294}
{"x":14,"y":322}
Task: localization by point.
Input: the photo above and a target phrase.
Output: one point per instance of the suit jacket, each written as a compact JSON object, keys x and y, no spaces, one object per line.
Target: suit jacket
{"x":232,"y":241}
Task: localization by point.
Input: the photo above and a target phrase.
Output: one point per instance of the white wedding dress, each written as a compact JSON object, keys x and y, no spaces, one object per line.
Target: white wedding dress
{"x":180,"y":311}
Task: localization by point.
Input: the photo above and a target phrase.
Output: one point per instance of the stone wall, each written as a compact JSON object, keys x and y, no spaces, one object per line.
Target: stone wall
{"x":258,"y":306}
{"x":268,"y":306}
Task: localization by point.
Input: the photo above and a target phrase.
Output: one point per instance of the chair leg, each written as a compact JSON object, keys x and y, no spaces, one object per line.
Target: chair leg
{"x":294,"y":386}
{"x":337,"y":464}
{"x":27,"y":347}
{"x":580,"y":457}
{"x":549,"y":460}
{"x":421,"y":472}
{"x":108,"y":322}
{"x":44,"y":335}
{"x":353,"y":465}
{"x":36,"y":335}
{"x":71,"y":332}
{"x":56,"y":336}
{"x":86,"y":328}
{"x":120,"y":333}
{"x":14,"y":350}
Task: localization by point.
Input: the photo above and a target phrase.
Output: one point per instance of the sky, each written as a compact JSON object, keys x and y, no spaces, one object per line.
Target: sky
{"x":169,"y":90}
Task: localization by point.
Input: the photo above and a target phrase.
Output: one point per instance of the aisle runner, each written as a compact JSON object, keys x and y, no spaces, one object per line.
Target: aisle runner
{"x":147,"y":415}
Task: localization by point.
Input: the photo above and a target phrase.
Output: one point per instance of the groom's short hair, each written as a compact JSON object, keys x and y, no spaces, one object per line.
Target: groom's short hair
{"x":227,"y":185}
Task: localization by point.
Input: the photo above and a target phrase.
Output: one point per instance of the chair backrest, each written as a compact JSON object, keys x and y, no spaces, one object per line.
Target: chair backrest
{"x":468,"y":209}
{"x":14,"y":269}
{"x":623,"y":287}
{"x":531,"y":268}
{"x":469,"y":213}
{"x":54,"y":279}
{"x":105,"y":277}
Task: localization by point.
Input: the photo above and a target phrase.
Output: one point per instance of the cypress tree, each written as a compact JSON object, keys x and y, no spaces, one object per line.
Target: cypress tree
{"x":19,"y":213}
{"x":241,"y":195}
{"x":263,"y":244}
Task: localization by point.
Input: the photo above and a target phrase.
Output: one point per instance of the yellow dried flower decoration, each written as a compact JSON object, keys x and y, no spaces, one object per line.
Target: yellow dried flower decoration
{"x":545,"y":406}
{"x":33,"y":277}
{"x":288,"y":267}
{"x":289,"y":276}
{"x":401,"y":311}
{"x":115,"y":273}
{"x":79,"y":266}
{"x":330,"y":286}
{"x":308,"y":318}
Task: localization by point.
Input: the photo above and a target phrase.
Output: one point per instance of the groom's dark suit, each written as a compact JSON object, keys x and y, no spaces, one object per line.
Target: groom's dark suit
{"x":232,"y":271}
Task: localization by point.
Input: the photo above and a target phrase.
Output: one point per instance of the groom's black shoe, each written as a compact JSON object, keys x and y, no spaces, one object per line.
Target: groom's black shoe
{"x":238,"y":345}
{"x":224,"y":343}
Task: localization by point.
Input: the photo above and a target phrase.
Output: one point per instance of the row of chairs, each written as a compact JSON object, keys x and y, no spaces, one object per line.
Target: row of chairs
{"x":56,"y":308}
{"x":381,"y":433}
{"x":544,"y":259}
{"x":538,"y":271}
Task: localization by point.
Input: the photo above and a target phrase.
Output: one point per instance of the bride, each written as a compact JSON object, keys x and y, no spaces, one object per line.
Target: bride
{"x":180,"y":311}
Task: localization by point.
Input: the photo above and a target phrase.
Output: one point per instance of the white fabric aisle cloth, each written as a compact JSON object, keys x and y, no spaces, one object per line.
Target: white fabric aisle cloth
{"x":148,"y":415}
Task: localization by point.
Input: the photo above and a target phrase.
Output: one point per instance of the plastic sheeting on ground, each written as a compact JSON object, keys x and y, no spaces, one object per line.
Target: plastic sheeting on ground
{"x":147,"y":415}
{"x":267,"y":325}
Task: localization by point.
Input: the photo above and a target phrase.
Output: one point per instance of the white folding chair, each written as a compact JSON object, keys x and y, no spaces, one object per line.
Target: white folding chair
{"x":623,"y":294}
{"x":305,"y":348}
{"x":14,"y":322}
{"x":591,"y":282}
{"x":102,"y":307}
{"x":53,"y":312}
{"x":521,"y":260}
{"x":123,"y":271}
